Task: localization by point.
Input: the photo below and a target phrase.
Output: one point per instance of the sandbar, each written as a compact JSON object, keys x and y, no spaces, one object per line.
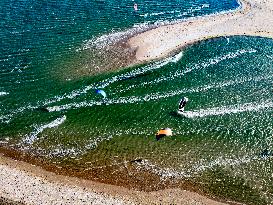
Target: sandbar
{"x":254,"y":18}
{"x":30,"y":184}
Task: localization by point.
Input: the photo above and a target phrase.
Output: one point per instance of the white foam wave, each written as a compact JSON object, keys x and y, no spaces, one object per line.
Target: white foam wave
{"x":216,"y":85}
{"x":177,"y":57}
{"x":212,"y":61}
{"x":122,"y":100}
{"x":223,"y":162}
{"x":115,"y":37}
{"x":177,"y":13}
{"x":34,"y":135}
{"x":227,"y":40}
{"x":6,"y":118}
{"x":162,"y":172}
{"x":153,"y":14}
{"x":155,"y":96}
{"x":142,"y":70}
{"x":60,"y":151}
{"x":229,"y":56}
{"x":247,"y":107}
{"x":191,"y":10}
{"x":109,"y":81}
{"x":196,"y":168}
{"x":188,"y":69}
{"x":270,"y":57}
{"x":69,"y":106}
{"x":70,"y":95}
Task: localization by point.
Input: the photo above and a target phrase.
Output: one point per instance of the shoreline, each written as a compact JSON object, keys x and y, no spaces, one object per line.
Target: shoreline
{"x":31,"y":183}
{"x":255,"y":18}
{"x":36,"y":184}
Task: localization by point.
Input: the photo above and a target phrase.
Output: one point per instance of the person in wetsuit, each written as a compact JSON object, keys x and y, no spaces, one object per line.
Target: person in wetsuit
{"x":182,"y":104}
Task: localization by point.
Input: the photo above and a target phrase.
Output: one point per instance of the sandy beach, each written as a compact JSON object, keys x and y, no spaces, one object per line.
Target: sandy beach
{"x":255,"y":18}
{"x":30,"y":184}
{"x":24,"y":183}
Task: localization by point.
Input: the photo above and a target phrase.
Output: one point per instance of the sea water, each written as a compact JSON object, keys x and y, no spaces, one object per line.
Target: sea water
{"x":49,"y":105}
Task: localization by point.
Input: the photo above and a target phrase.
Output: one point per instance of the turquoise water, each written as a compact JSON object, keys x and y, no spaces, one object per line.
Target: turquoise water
{"x":49,"y":109}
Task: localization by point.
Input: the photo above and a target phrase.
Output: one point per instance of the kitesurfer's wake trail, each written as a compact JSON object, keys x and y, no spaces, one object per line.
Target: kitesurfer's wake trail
{"x":224,"y":110}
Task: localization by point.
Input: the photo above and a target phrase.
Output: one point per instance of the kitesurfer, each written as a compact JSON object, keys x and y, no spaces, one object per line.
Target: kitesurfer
{"x":182,"y":104}
{"x":135,"y":6}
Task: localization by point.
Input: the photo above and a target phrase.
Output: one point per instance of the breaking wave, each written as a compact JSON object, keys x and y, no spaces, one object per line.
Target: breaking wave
{"x":30,"y":139}
{"x":154,"y":96}
{"x":188,"y":69}
{"x":196,"y":168}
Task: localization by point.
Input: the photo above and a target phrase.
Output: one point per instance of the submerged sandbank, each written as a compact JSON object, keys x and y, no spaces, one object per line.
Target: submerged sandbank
{"x":254,"y":18}
{"x":30,"y":184}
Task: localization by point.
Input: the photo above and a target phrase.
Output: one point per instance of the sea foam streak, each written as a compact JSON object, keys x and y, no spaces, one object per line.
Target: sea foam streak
{"x":34,"y":135}
{"x":197,"y":66}
{"x":117,"y":36}
{"x":130,"y":74}
{"x":196,"y":168}
{"x":141,"y":70}
{"x":153,"y":96}
{"x":111,"y":80}
{"x":177,"y":13}
{"x":73,"y":94}
{"x":133,"y":73}
{"x":247,"y":107}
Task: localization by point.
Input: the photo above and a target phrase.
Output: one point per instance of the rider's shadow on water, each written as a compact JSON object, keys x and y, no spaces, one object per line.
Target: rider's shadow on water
{"x":174,"y":114}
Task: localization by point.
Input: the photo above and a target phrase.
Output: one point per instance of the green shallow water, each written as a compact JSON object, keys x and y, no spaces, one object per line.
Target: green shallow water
{"x":227,"y":122}
{"x":47,"y":64}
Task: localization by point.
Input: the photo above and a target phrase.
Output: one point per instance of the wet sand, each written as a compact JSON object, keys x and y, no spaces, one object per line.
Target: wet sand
{"x":24,"y":183}
{"x":255,"y":18}
{"x":30,"y":184}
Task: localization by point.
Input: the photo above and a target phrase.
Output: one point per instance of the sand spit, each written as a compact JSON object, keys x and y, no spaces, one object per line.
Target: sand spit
{"x":29,"y":184}
{"x":255,"y":18}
